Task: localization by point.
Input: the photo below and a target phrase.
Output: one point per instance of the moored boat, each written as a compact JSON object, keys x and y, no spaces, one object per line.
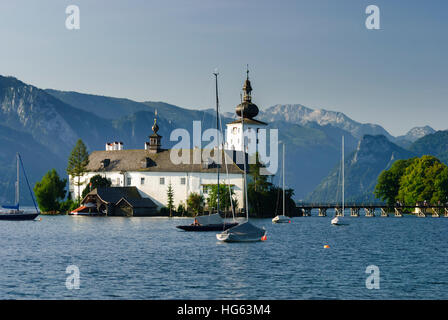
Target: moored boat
{"x":244,"y":232}
{"x":13,"y":212}
{"x":212,"y":222}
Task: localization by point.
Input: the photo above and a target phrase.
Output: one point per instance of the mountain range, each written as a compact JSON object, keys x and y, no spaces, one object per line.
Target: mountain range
{"x":43,"y":125}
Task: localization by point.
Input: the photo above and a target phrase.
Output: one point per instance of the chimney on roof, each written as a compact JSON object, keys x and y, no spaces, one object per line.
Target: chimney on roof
{"x":110,"y":146}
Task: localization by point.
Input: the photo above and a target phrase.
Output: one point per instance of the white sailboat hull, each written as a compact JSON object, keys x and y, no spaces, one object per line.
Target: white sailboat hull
{"x":245,"y":232}
{"x":335,"y":221}
{"x":281,"y":219}
{"x":233,"y":238}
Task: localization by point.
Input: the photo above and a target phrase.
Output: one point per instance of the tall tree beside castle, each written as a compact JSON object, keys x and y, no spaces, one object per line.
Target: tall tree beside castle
{"x":77,"y":163}
{"x":224,"y":197}
{"x":170,"y":197}
{"x":195,"y":202}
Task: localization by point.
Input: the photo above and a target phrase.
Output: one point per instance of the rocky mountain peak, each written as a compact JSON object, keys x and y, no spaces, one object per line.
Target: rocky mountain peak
{"x":418,"y":132}
{"x":299,"y":114}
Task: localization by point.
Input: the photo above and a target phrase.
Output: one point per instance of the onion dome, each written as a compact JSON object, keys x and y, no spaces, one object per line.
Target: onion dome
{"x":246,"y":108}
{"x":155,"y":127}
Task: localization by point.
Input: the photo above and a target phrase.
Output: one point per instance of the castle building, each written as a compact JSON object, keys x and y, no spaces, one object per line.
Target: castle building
{"x":151,"y":170}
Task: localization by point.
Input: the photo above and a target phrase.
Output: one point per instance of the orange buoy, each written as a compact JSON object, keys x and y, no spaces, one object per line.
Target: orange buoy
{"x":264,"y":238}
{"x":326,"y":246}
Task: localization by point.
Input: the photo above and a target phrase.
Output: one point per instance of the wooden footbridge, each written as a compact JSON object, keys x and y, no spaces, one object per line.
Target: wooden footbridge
{"x":371,"y":208}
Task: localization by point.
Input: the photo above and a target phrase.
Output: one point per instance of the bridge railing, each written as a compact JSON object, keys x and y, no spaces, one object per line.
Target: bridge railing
{"x":368,"y":205}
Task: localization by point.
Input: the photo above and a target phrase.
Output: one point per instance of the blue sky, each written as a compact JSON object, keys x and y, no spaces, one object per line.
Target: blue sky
{"x":316,"y":53}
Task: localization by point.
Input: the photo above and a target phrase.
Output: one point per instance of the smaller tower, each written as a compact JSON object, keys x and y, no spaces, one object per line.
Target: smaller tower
{"x":154,"y":139}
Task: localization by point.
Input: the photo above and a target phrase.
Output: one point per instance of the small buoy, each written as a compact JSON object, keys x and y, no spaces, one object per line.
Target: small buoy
{"x":326,"y":246}
{"x":264,"y":238}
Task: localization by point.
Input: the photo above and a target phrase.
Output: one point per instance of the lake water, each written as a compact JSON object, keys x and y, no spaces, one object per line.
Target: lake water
{"x":148,"y":258}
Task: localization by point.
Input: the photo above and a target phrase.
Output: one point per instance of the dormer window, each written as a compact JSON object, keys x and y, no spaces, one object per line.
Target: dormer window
{"x":105,"y":163}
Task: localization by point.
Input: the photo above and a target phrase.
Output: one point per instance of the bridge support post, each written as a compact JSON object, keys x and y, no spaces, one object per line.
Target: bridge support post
{"x":436,"y":212}
{"x":446,"y":212}
{"x":398,"y":212}
{"x":384,"y":213}
{"x":307,"y":212}
{"x":420,"y":212}
{"x":354,"y":212}
{"x":370,"y":212}
{"x":339,"y":212}
{"x":322,"y":212}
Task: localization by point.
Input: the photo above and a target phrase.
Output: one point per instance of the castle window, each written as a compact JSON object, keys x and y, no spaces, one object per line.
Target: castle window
{"x":142,"y":181}
{"x":183,"y":180}
{"x":128,"y":181}
{"x":162,"y":180}
{"x":205,"y":189}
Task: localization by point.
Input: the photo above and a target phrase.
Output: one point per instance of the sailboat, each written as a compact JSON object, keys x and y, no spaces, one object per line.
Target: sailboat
{"x":282,"y":218}
{"x":13,"y":212}
{"x":246,"y":231}
{"x":212,"y":222}
{"x":335,"y":221}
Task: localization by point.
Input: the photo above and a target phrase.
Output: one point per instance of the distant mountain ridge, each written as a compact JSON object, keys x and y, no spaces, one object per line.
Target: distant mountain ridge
{"x":435,"y":144}
{"x":413,"y":135}
{"x":299,"y":114}
{"x":418,"y":132}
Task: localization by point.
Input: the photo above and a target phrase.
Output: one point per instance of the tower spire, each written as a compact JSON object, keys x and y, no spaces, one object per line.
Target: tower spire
{"x":155,"y":127}
{"x":250,"y":109}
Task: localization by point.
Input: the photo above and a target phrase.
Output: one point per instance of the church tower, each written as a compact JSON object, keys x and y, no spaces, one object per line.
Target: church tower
{"x":246,"y":111}
{"x":154,"y":144}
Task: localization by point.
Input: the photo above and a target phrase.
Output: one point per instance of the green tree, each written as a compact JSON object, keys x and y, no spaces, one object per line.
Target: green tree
{"x":224,"y":197}
{"x":181,"y":208}
{"x":97,"y":181}
{"x":425,"y":179}
{"x":265,"y":199}
{"x":195,"y":202}
{"x":260,"y":182}
{"x":268,"y":202}
{"x":389,"y":181}
{"x":50,"y":191}
{"x":77,"y":164}
{"x":170,"y":199}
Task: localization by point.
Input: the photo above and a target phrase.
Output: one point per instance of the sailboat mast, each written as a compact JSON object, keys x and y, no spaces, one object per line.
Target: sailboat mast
{"x":217,"y":134}
{"x":17,"y":181}
{"x":343,"y":178}
{"x":246,"y":202}
{"x":283,"y":168}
